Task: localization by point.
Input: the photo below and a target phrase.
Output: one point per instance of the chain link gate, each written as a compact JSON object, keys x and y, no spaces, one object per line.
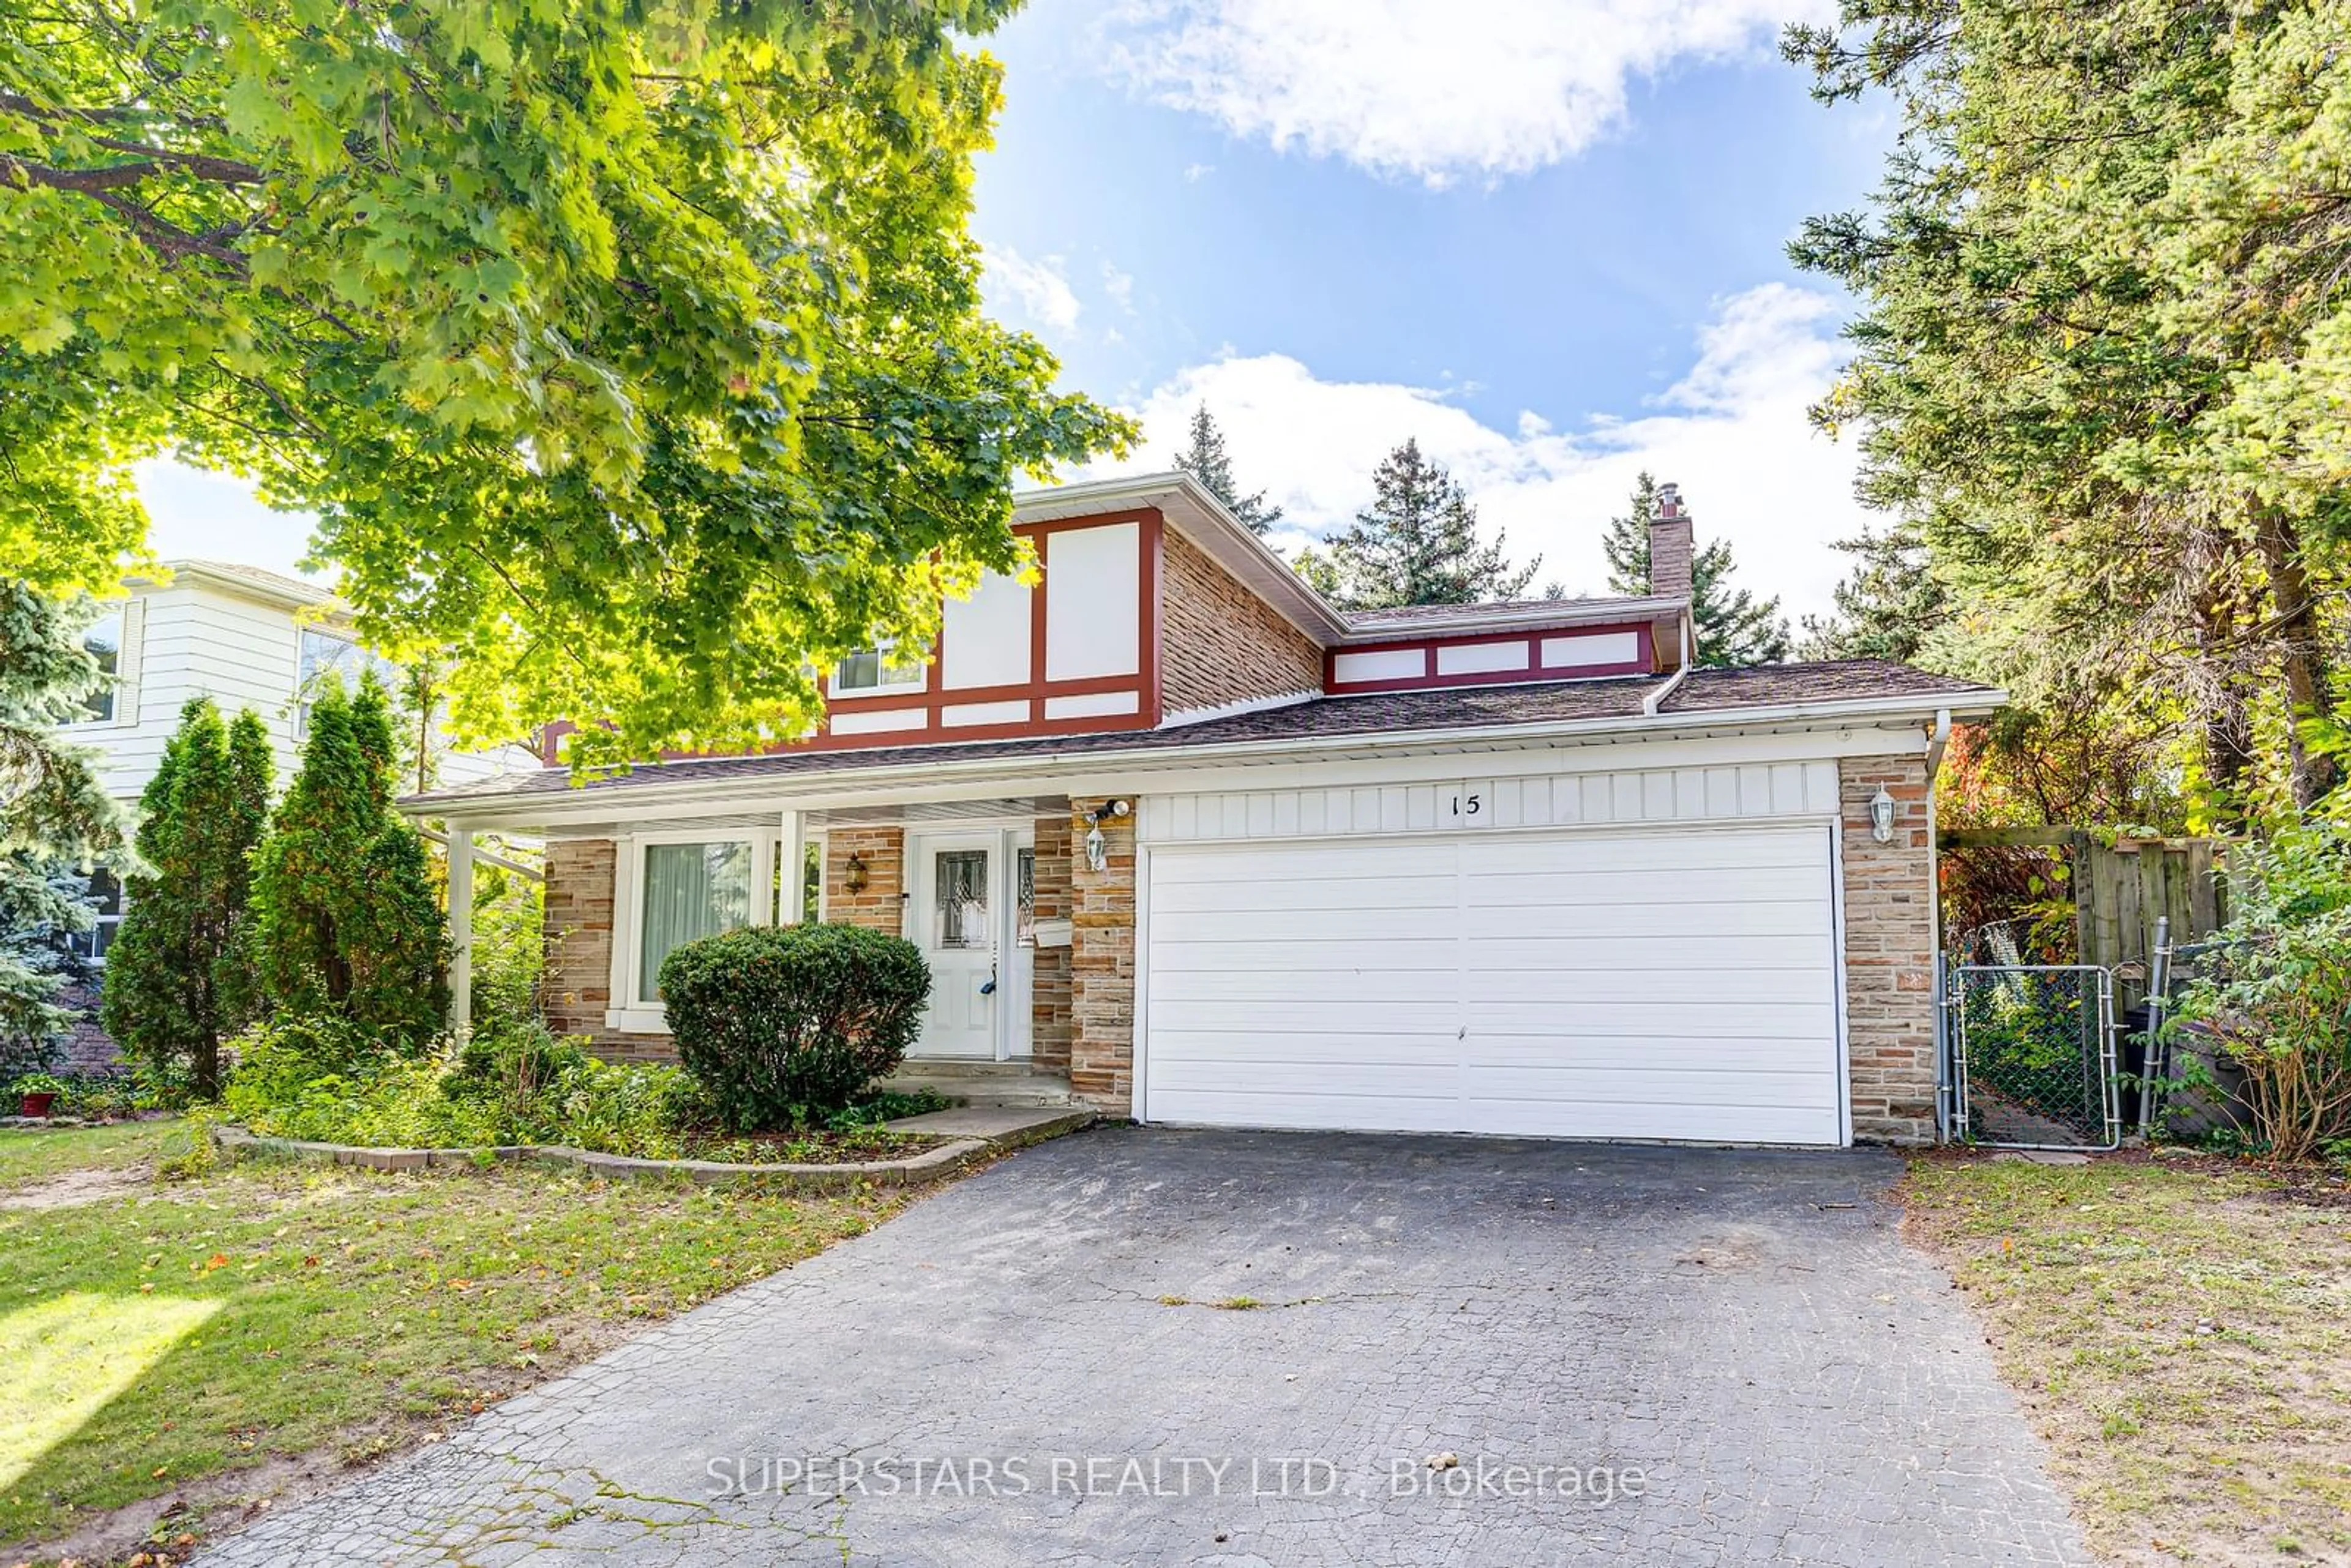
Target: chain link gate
{"x":2033,"y":1055}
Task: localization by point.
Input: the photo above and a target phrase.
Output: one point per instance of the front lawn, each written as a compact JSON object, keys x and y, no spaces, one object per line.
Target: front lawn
{"x":159,"y":1340}
{"x":2181,"y":1336}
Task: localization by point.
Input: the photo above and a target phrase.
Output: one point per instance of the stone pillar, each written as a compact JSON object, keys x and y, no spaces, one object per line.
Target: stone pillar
{"x":1889,"y":951}
{"x":1102,"y":962}
{"x":1049,"y":1023}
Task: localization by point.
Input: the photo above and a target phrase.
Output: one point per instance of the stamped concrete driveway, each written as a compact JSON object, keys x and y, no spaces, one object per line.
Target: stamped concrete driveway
{"x":1029,"y":1368}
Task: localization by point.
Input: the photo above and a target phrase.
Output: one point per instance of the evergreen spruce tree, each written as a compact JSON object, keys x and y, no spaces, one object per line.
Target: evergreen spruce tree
{"x":1418,"y":543}
{"x":1734,"y":627}
{"x":56,"y":823}
{"x":348,"y":920}
{"x":179,"y":977}
{"x":1885,"y":606}
{"x":1205,"y":460}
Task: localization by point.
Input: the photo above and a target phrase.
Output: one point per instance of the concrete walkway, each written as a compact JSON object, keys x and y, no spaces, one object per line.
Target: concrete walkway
{"x":1148,"y":1346}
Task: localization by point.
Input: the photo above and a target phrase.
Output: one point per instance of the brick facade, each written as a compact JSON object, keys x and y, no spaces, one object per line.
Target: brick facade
{"x":1048,"y":1022}
{"x":877,"y":907}
{"x":1221,"y":644}
{"x":1101,"y":964}
{"x":1889,"y":949}
{"x":577,"y":984}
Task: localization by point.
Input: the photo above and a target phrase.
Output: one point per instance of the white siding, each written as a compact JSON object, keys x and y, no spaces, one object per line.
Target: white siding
{"x":197,"y":641}
{"x":1695,"y":794}
{"x":195,"y":638}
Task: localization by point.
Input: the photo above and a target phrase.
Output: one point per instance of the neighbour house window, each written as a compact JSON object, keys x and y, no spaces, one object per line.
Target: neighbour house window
{"x":324,"y":654}
{"x":690,"y":891}
{"x":104,"y":642}
{"x":107,"y":893}
{"x":961,"y":876}
{"x":876,"y":670}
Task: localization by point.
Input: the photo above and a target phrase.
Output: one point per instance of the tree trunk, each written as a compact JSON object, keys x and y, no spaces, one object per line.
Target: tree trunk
{"x":2300,"y":657}
{"x":2228,"y":745}
{"x":204,"y":1064}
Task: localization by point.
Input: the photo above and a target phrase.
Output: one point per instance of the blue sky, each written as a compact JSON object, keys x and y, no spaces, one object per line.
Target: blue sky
{"x":1544,"y":237}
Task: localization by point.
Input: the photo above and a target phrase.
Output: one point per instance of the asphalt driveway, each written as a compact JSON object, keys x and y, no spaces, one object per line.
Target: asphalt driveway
{"x":1150,"y":1346}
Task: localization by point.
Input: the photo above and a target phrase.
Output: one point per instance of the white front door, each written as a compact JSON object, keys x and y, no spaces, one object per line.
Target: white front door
{"x":956,"y":917}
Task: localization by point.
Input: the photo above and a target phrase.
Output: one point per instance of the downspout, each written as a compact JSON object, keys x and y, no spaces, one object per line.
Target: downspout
{"x":1656,"y":699}
{"x":1946,"y":1089}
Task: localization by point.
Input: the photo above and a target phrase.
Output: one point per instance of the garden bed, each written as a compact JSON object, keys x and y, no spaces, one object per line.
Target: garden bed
{"x":855,"y":1161}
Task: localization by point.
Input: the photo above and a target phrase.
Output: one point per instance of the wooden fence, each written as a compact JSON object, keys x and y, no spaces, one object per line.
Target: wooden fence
{"x":2121,"y":887}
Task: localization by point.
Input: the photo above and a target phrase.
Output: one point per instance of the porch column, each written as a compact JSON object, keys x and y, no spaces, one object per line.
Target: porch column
{"x":791,"y":845}
{"x":461,"y":926}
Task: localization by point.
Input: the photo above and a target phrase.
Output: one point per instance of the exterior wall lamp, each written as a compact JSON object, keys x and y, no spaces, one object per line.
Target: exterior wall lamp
{"x":853,"y":875}
{"x":1097,"y":847}
{"x":1881,"y":816}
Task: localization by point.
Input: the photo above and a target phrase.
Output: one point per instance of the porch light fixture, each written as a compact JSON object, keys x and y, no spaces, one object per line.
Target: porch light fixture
{"x":1881,"y":816}
{"x":1097,"y":847}
{"x":852,"y":876}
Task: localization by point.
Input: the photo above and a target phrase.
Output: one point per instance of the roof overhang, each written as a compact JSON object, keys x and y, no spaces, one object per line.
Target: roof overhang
{"x":1061,"y":771}
{"x":262,"y":588}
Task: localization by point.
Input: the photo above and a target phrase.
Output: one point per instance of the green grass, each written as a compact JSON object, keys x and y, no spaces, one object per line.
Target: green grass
{"x":2182,"y":1338}
{"x":30,"y":1156}
{"x":185,"y":1332}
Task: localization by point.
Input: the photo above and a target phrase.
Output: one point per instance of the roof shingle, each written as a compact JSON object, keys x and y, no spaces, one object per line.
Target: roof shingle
{"x":1332,"y":718}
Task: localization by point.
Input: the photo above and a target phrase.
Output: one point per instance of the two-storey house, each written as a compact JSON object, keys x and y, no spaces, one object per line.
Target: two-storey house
{"x":1173,"y":830}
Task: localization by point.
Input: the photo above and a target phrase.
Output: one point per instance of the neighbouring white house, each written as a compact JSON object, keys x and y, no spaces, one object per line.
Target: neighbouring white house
{"x":1188,"y":843}
{"x":244,"y":636}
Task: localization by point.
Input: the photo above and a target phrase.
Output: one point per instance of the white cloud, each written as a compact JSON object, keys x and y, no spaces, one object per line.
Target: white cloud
{"x":1195,"y":173}
{"x":1485,"y":88}
{"x":1040,"y":289}
{"x":1731,"y":431}
{"x":1120,"y":286}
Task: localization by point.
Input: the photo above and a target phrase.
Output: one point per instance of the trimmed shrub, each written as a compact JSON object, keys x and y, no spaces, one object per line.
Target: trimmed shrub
{"x":784,"y":1026}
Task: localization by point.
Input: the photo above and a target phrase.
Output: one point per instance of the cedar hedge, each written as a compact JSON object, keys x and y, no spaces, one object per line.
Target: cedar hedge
{"x":786,"y":1025}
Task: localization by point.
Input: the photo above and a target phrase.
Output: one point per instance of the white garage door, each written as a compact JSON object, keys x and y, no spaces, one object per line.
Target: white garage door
{"x":1671,"y":984}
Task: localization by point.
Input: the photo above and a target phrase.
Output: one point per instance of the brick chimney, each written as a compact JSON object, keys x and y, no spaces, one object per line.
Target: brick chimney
{"x":1671,"y":549}
{"x":1670,"y":546}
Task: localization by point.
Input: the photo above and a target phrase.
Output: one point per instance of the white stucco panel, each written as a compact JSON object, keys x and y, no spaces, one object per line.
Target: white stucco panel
{"x":1092,"y":585}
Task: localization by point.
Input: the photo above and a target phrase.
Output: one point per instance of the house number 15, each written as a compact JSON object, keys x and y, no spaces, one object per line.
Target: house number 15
{"x":1473,"y":804}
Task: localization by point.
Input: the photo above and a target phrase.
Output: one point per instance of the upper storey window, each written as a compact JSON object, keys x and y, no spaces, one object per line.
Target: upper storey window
{"x":876,"y":670}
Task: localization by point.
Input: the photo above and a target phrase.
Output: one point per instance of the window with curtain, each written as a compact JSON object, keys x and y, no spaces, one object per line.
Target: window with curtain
{"x":690,"y":891}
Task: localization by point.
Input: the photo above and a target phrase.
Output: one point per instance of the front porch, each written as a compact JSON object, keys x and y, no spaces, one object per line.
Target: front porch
{"x":1030,"y":939}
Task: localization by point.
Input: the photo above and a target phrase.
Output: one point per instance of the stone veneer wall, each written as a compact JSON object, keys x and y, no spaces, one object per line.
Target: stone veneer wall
{"x":1101,"y":965}
{"x":577,"y":984}
{"x":1219,"y":642}
{"x":1049,"y":1023}
{"x":1889,"y":951}
{"x":878,"y":907}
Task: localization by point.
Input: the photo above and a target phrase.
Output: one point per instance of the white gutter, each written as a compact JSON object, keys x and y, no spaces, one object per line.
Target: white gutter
{"x":754,"y":788}
{"x":1935,"y":742}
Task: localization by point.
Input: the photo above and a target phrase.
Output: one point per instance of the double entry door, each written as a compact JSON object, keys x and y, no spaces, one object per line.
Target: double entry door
{"x":970,"y":908}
